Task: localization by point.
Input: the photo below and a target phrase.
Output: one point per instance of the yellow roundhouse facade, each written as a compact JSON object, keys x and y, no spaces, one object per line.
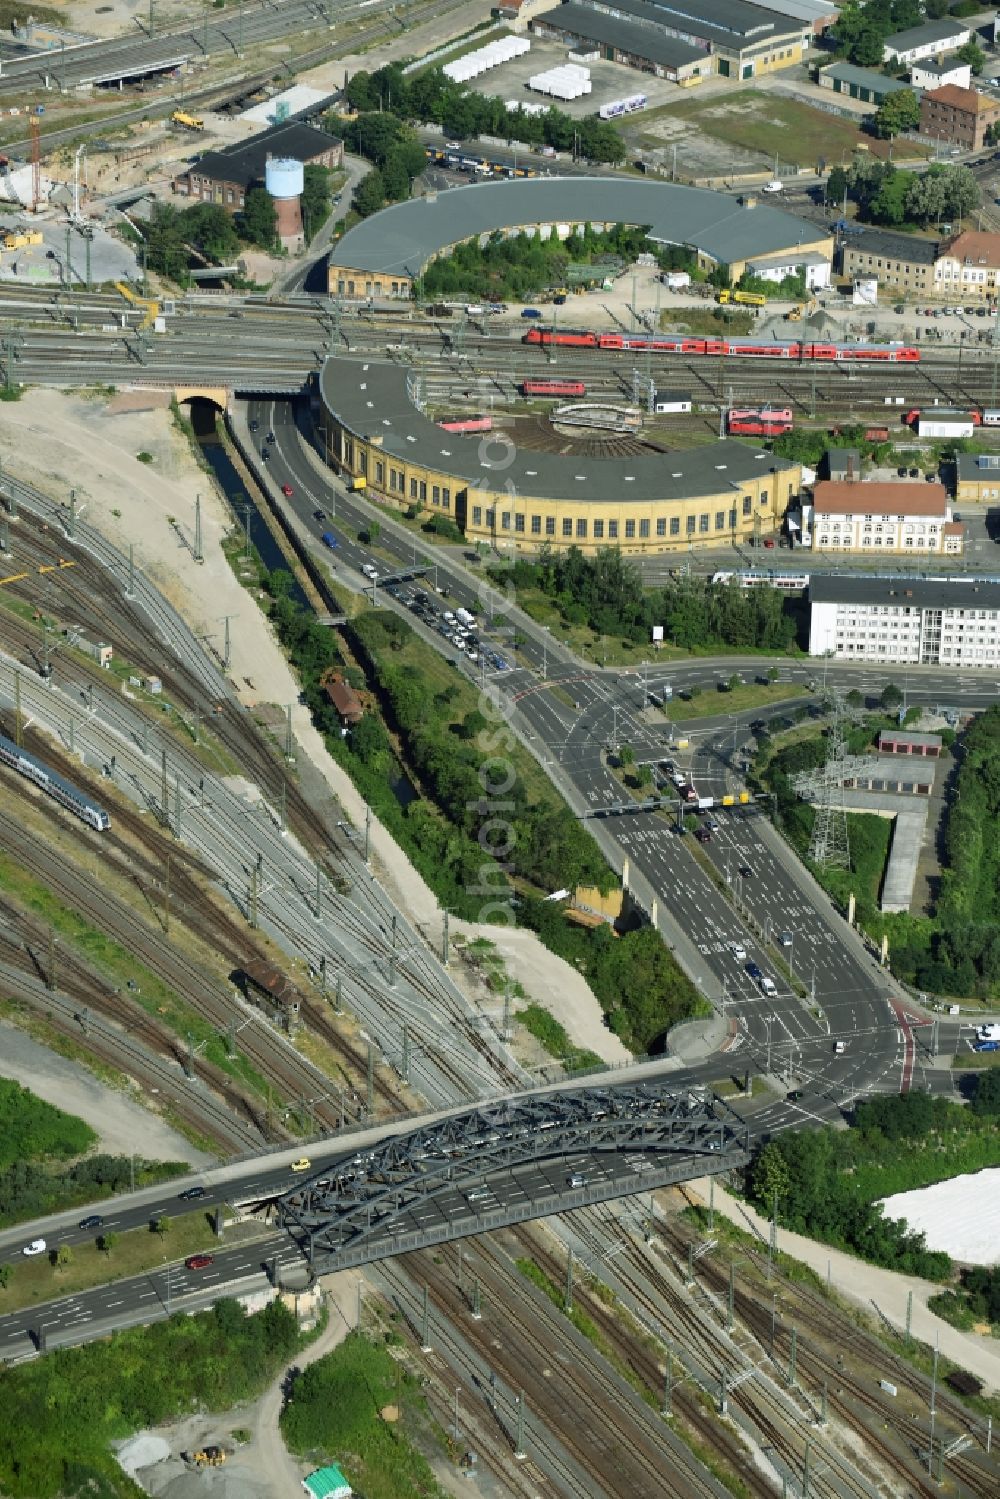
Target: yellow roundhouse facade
{"x":704,"y":497}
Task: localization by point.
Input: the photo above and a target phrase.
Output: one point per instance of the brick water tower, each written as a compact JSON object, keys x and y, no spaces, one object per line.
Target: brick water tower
{"x":284,"y":178}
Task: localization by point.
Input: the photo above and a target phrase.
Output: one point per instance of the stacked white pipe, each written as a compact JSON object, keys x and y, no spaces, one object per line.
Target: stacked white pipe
{"x":494,"y":55}
{"x":568,"y":81}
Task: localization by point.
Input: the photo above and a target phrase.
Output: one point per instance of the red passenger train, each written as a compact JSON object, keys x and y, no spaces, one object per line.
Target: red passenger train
{"x":553,"y":388}
{"x":740,"y":348}
{"x":759,"y":421}
{"x":466,"y":423}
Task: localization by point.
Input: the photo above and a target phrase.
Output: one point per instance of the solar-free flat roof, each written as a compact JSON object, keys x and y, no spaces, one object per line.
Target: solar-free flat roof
{"x":731,"y":24}
{"x":402,"y":239}
{"x":903,"y":593}
{"x":372,"y":399}
{"x":921,"y":36}
{"x":867,"y":78}
{"x":647,"y":42}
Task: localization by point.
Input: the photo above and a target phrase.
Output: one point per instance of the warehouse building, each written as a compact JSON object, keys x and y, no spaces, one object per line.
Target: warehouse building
{"x":863,"y":84}
{"x":223,"y":177}
{"x":624,"y":41}
{"x":737,"y":39}
{"x":384,"y":254}
{"x":523,"y":498}
{"x":905,"y":621}
{"x":894,"y":517}
{"x":928,"y":40}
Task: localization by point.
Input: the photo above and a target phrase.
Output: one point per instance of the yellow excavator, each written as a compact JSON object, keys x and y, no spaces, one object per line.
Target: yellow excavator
{"x":797,"y":313}
{"x":206,"y":1457}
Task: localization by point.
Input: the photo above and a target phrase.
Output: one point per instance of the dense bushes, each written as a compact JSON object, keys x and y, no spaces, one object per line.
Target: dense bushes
{"x":516,"y":267}
{"x":440,"y":737}
{"x":606,"y":593}
{"x":333,"y":1414}
{"x":31,"y":1128}
{"x":61,"y":1412}
{"x":432,"y":98}
{"x":829,"y":1182}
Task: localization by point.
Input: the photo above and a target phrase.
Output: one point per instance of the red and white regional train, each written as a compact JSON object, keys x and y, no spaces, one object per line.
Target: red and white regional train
{"x":754,"y":348}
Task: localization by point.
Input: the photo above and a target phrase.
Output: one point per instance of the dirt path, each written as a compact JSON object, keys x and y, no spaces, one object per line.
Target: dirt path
{"x":267,"y":1455}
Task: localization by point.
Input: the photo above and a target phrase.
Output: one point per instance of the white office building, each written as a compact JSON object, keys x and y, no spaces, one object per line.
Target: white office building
{"x":905,"y":621}
{"x":862,"y":515}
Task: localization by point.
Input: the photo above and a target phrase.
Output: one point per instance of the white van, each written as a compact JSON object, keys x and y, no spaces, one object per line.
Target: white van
{"x":768,"y":986}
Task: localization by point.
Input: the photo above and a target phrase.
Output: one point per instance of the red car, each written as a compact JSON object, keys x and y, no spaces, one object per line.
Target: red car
{"x":199,"y":1261}
{"x":769,"y":543}
{"x":287,"y":491}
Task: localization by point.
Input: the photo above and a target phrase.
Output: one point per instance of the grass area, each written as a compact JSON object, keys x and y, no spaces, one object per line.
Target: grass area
{"x":31,"y":1129}
{"x":738,"y":700}
{"x":133,"y":1253}
{"x":547,"y":1030}
{"x":978,"y":1060}
{"x":121,"y":968}
{"x":62,"y":1412}
{"x":470,"y":43}
{"x":704,"y":320}
{"x":333,"y":1414}
{"x":768,"y":125}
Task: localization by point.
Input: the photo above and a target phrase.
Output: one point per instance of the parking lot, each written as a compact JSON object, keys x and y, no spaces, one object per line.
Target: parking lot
{"x":463,"y":633}
{"x":610,"y":81}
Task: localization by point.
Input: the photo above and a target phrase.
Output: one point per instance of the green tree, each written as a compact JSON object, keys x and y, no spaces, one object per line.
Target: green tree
{"x":770,"y":1175}
{"x":166,"y":251}
{"x":6,"y":1274}
{"x":936,"y":10}
{"x":888,"y":206}
{"x":898,"y":111}
{"x":961,"y":192}
{"x":162,"y":1225}
{"x":891,"y":696}
{"x":972,"y":54}
{"x":855,"y":698}
{"x":64,"y":1257}
{"x":369,"y":195}
{"x":643,"y":775}
{"x":210,"y":229}
{"x":985,"y":1101}
{"x":316,"y":199}
{"x":626,"y":755}
{"x":107,"y":1242}
{"x":258,"y":221}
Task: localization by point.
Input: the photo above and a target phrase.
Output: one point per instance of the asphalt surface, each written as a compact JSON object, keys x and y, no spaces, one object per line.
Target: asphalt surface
{"x":571,"y":716}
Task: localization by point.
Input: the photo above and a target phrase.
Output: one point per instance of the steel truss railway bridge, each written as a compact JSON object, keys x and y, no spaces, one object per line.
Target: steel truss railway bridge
{"x":505,"y":1163}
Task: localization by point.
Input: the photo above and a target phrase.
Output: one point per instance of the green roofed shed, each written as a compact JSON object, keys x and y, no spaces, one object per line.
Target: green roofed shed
{"x":327,"y":1483}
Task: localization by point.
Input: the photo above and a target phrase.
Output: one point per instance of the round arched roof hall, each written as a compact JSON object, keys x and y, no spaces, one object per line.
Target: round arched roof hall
{"x":385,"y":253}
{"x":715,"y":494}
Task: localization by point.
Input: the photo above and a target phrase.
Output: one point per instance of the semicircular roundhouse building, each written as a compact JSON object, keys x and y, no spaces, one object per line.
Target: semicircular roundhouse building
{"x":374,"y":430}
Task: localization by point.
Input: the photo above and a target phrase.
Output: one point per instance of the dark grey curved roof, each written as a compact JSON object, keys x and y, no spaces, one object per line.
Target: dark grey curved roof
{"x":372,"y":399}
{"x":402,"y":239}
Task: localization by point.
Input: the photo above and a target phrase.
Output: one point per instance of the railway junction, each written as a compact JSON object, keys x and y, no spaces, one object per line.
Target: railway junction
{"x":280,"y":881}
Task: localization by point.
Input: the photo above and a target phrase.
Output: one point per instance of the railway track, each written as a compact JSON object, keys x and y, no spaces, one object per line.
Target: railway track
{"x":571,"y":1387}
{"x":855,"y":1401}
{"x":444,"y":1032}
{"x":121,"y":1035}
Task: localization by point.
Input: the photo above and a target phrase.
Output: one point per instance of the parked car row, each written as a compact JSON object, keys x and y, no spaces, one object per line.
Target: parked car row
{"x":463,"y":636}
